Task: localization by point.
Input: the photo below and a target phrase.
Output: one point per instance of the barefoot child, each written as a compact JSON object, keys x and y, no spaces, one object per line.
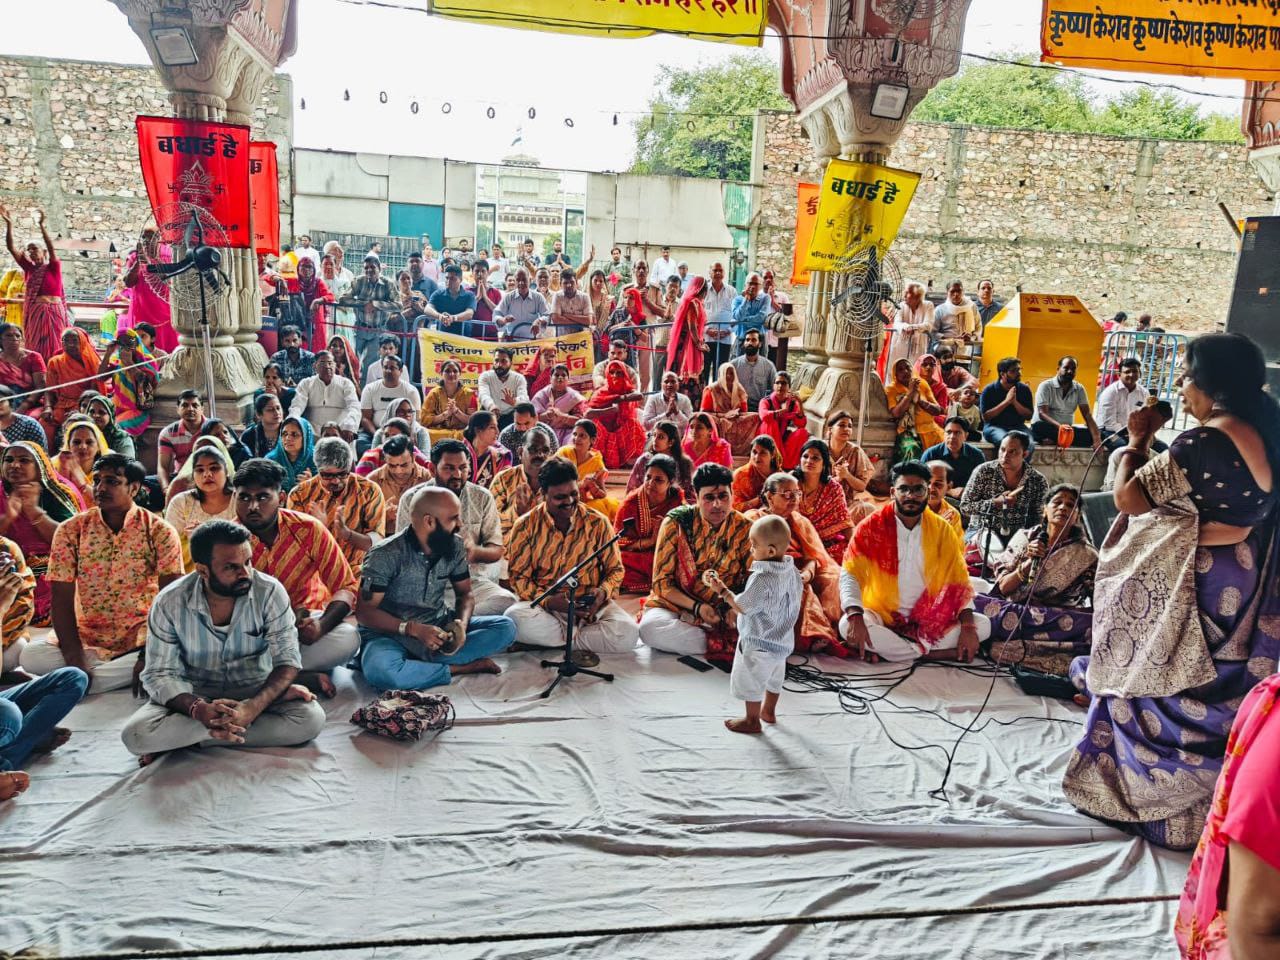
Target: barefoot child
{"x":767,"y":610}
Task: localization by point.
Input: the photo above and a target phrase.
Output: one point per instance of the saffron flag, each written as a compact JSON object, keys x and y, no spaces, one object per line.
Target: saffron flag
{"x":861,"y":204}
{"x":264,"y":196}
{"x":202,"y":164}
{"x":722,"y":21}
{"x":806,"y":219}
{"x":476,"y":356}
{"x":1208,"y":38}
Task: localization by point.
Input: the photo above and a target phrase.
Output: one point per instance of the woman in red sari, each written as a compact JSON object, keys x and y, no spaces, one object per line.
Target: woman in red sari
{"x":537,"y":372}
{"x":782,"y":417}
{"x":748,"y":479}
{"x":703,"y":443}
{"x":928,"y":370}
{"x":345,"y":360}
{"x":687,"y":345}
{"x":77,"y":361}
{"x":44,"y":312}
{"x":22,"y":370}
{"x":822,"y":499}
{"x":615,"y":408}
{"x":639,"y":518}
{"x":314,"y":295}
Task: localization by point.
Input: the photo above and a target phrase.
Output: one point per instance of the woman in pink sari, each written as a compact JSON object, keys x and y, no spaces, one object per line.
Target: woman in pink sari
{"x":927,"y":369}
{"x":703,"y":443}
{"x":44,"y":310}
{"x":150,"y":299}
{"x":559,"y":406}
{"x":1231,"y":903}
{"x":639,"y":518}
{"x":687,"y":345}
{"x":314,"y":295}
{"x":613,"y":407}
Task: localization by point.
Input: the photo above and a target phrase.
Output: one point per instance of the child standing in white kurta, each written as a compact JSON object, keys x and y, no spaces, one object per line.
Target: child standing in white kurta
{"x":767,"y":608}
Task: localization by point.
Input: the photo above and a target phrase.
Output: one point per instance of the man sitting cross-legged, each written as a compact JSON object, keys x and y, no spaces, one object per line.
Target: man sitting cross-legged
{"x":515,"y":490}
{"x":106,"y":565}
{"x":480,"y":529}
{"x":350,"y":507}
{"x":712,"y":536}
{"x":222,"y":655}
{"x":904,"y":587}
{"x":545,"y":543}
{"x":29,"y":712}
{"x":409,"y":643}
{"x":297,"y":550}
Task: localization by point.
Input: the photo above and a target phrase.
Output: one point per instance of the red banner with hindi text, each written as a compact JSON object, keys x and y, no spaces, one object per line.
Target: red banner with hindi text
{"x":264,"y":196}
{"x":199,"y":163}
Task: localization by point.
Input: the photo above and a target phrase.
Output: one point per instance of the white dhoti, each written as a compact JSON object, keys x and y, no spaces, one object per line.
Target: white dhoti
{"x":898,"y":649}
{"x":45,"y":656}
{"x":664,"y":630}
{"x":333,"y":649}
{"x":613,"y":630}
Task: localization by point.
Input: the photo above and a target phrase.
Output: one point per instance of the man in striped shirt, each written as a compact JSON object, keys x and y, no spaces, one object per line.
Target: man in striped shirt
{"x":222,"y":655}
{"x":548,"y":541}
{"x":297,"y":550}
{"x":351,"y":508}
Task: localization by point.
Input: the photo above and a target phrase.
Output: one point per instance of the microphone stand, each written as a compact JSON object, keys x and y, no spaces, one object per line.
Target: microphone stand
{"x":569,"y":582}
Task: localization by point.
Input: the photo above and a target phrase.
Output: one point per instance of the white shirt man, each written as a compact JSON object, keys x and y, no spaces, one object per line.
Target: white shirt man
{"x":668,"y":404}
{"x":662,"y":268}
{"x":306,"y":251}
{"x":1121,"y":397}
{"x":326,"y":397}
{"x":392,"y":387}
{"x":911,"y":327}
{"x":499,"y":390}
{"x":719,"y":304}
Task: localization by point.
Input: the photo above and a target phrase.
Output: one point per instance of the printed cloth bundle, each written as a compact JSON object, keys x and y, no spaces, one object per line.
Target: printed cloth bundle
{"x":405,"y":714}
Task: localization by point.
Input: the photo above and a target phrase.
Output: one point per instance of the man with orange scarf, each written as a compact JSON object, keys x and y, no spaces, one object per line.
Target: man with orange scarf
{"x":904,"y":587}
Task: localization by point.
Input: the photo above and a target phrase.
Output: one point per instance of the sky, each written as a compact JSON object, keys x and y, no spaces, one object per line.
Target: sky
{"x":346,"y":46}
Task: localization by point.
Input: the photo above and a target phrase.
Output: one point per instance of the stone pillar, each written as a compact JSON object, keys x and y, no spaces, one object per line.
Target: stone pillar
{"x":238,"y":46}
{"x":1261,"y":126}
{"x":838,"y":55}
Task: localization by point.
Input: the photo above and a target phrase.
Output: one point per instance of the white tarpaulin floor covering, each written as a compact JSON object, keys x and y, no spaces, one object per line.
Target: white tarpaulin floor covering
{"x":607,"y":806}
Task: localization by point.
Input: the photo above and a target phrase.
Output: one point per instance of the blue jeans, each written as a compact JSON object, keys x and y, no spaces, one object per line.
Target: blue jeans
{"x":994,"y":435}
{"x":30,"y":711}
{"x":389,"y":666}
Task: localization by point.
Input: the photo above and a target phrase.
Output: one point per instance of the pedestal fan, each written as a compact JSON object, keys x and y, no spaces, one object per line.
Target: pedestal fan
{"x":192,"y":276}
{"x":866,"y":279}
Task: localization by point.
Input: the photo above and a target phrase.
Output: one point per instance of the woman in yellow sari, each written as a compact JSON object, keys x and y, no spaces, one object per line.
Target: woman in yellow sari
{"x":13,"y":286}
{"x":447,"y":408}
{"x":592,"y":475}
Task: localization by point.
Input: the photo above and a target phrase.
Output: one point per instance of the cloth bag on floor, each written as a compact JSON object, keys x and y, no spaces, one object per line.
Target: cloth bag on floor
{"x":405,"y":714}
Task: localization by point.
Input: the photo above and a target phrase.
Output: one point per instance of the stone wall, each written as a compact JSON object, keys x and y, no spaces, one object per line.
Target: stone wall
{"x":67,"y":144}
{"x":1124,"y":224}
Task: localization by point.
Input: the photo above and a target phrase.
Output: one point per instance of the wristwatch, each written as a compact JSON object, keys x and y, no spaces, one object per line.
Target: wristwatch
{"x":404,"y":628}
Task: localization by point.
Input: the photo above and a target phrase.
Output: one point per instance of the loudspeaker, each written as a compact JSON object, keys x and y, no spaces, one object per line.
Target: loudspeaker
{"x":1255,"y":298}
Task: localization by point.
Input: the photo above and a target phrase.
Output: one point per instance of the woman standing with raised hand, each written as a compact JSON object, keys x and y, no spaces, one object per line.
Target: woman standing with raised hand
{"x":44,"y":310}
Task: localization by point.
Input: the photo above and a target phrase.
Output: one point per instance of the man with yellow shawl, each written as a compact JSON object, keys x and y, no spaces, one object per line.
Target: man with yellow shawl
{"x":904,"y":587}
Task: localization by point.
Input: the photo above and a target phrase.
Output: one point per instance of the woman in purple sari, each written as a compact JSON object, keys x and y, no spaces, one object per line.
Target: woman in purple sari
{"x":1186,"y":607}
{"x":1038,"y":605}
{"x":560,"y":406}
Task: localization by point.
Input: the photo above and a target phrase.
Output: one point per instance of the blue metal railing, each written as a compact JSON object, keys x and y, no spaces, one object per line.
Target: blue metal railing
{"x":1162,"y":356}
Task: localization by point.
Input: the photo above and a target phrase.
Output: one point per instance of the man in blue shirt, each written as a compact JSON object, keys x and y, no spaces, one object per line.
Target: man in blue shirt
{"x":750,"y":308}
{"x":453,"y":307}
{"x":963,"y":458}
{"x":1007,"y":403}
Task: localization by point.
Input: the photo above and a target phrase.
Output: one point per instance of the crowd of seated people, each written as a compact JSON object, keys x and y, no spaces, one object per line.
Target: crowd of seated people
{"x":352,"y":524}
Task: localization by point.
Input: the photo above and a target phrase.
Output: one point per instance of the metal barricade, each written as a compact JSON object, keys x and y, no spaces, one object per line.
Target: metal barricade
{"x":1162,"y":356}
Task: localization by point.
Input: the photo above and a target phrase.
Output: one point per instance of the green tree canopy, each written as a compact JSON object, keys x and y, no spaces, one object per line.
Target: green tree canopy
{"x":719,"y":143}
{"x":1012,"y":95}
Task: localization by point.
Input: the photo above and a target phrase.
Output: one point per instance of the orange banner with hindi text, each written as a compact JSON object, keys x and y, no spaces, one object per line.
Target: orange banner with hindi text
{"x":806,"y":217}
{"x":1204,"y":38}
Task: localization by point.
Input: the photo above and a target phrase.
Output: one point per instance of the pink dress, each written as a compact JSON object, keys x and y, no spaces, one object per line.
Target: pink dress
{"x":150,"y":307}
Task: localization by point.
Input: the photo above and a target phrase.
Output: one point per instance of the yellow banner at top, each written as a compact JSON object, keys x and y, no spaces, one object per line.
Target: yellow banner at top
{"x":860,"y":204}
{"x":722,"y":21}
{"x":1195,"y":38}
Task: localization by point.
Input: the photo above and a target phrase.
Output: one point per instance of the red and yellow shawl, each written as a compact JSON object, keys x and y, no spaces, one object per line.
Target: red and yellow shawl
{"x":873,"y":562}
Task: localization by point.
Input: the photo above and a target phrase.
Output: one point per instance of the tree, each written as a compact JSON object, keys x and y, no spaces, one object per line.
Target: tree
{"x":713,"y":143}
{"x":1022,"y":96}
